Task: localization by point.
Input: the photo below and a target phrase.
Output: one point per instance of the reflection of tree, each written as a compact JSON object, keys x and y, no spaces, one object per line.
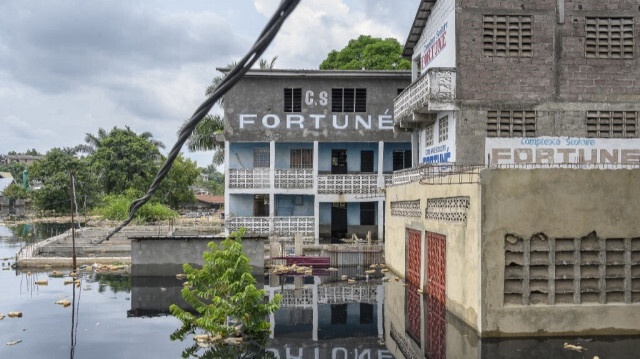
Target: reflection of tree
{"x":251,"y":350}
{"x":117,"y":283}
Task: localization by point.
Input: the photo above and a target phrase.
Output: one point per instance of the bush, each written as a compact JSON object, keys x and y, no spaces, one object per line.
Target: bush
{"x":116,"y":207}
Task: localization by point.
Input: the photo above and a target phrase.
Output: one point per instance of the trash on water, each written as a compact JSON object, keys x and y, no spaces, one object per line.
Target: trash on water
{"x":42,"y":282}
{"x":576,"y":348}
{"x":55,"y":273}
{"x":371,"y":271}
{"x":14,"y":342}
{"x":65,"y":303}
{"x":14,"y":314}
{"x":181,"y":276}
{"x":1,"y":316}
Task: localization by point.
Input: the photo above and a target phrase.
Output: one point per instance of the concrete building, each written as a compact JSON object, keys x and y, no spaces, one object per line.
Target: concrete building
{"x":518,"y":214}
{"x":308,"y":151}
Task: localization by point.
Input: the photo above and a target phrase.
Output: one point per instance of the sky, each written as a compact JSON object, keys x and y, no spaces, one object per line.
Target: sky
{"x":70,"y":67}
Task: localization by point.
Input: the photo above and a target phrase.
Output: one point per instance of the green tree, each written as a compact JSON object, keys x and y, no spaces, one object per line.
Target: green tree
{"x":93,"y":142}
{"x":123,"y":160}
{"x":53,"y":172}
{"x":367,"y":53}
{"x":224,"y":292}
{"x":215,"y":183}
{"x":175,"y":188}
{"x":15,"y":191}
{"x":32,"y":152}
{"x":15,"y":168}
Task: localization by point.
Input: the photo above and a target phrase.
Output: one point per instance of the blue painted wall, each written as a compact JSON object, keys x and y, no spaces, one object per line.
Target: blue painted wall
{"x":353,"y":154}
{"x":286,"y":205}
{"x":241,"y":205}
{"x":283,"y":152}
{"x":388,"y":154}
{"x":241,"y":153}
{"x":353,"y":213}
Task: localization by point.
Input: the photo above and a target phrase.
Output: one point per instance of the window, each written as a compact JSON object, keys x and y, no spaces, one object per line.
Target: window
{"x":609,"y":38}
{"x":348,"y":100}
{"x":428,"y":135}
{"x":301,"y":158}
{"x":367,"y":213}
{"x":261,"y":205}
{"x":292,"y":100}
{"x":511,"y":124}
{"x":366,"y":161}
{"x":612,"y":124}
{"x":443,"y":129}
{"x":507,"y":36}
{"x":261,"y":157}
{"x":401,"y":159}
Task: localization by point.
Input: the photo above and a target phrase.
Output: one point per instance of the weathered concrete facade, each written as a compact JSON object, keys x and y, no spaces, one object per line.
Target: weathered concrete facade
{"x":308,"y":151}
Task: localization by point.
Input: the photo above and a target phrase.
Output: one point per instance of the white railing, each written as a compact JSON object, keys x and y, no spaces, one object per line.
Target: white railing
{"x":406,"y":176}
{"x":436,"y":90}
{"x":355,"y":183}
{"x":249,"y":178}
{"x":256,"y":226}
{"x":347,"y":294}
{"x":289,"y":226}
{"x":294,"y":178}
{"x":388,"y":180}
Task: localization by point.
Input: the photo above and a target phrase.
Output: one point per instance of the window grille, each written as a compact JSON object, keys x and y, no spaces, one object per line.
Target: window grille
{"x":301,"y":158}
{"x":507,"y":36}
{"x":292,"y":100}
{"x":612,"y":124}
{"x":261,"y":157}
{"x":428,"y":135}
{"x":511,"y":124}
{"x":349,"y":100}
{"x":443,"y":129}
{"x":609,"y":38}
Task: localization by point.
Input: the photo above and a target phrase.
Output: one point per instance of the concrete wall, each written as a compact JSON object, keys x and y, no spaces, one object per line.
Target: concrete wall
{"x":561,"y":204}
{"x":241,"y":205}
{"x":286,"y":205}
{"x":283,"y":152}
{"x":462,"y":243}
{"x":241,"y":155}
{"x":164,"y":257}
{"x":261,"y":93}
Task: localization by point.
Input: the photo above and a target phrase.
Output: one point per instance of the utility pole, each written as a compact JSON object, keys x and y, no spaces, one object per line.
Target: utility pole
{"x":73,"y":226}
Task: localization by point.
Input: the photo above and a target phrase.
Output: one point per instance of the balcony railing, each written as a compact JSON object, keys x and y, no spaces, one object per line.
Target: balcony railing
{"x":406,"y":176}
{"x":249,"y":178}
{"x":294,"y":178}
{"x":433,"y":91}
{"x":348,"y":184}
{"x":289,"y":226}
{"x":282,"y":226}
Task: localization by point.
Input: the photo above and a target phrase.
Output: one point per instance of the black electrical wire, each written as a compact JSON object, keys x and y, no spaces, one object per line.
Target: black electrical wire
{"x":271,"y":29}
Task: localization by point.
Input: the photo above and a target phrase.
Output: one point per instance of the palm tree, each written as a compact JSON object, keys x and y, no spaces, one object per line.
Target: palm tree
{"x":203,"y":137}
{"x":93,"y":142}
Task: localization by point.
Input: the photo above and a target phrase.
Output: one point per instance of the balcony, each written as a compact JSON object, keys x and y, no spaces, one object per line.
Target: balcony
{"x":432,"y":92}
{"x":249,"y":178}
{"x":294,"y":178}
{"x":348,"y":184}
{"x":282,"y":226}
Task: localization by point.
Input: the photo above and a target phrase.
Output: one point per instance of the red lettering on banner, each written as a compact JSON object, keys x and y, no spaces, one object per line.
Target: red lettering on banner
{"x":434,"y":50}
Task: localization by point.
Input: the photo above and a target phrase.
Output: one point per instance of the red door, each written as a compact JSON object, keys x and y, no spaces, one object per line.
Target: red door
{"x":413,"y":258}
{"x":436,"y":296}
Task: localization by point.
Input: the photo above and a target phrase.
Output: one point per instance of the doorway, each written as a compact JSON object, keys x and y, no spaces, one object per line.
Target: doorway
{"x":338,"y":221}
{"x":339,"y":161}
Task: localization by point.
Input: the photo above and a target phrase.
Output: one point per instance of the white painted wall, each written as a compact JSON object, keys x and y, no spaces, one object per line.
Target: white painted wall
{"x":437,"y":45}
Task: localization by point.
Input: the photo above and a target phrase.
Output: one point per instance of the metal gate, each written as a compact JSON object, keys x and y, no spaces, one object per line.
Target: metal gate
{"x":436,"y":296}
{"x":413,"y":258}
{"x":413,"y":312}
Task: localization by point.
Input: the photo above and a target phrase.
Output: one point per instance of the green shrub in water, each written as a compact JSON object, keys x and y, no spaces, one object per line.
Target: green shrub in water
{"x":116,"y":207}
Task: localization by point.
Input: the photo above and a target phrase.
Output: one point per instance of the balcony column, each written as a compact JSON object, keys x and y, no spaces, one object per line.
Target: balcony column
{"x":272,"y":185}
{"x":380,"y":220}
{"x":227,"y":196}
{"x":316,"y":204}
{"x":380,"y":164}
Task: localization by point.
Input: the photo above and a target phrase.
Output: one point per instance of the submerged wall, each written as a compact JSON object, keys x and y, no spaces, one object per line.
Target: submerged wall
{"x":560,"y":252}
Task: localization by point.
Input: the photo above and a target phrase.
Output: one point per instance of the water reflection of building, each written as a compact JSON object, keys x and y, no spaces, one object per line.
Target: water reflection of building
{"x":517,"y":213}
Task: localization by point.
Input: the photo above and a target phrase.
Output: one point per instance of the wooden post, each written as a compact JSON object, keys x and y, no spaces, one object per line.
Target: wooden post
{"x":73,"y":227}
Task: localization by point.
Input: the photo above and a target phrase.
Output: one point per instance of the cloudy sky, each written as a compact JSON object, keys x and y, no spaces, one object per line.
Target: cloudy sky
{"x":68,"y":67}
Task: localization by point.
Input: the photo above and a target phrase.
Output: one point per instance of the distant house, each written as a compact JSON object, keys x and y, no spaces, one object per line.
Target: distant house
{"x":6,"y":175}
{"x":206,"y":201}
{"x":20,"y":159}
{"x":4,"y":183}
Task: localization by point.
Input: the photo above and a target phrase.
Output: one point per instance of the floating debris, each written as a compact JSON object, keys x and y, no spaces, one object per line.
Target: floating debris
{"x":370,"y":271}
{"x":162,"y":289}
{"x":185,"y":284}
{"x":55,"y":273}
{"x":73,"y":274}
{"x":420,"y":291}
{"x":397,"y":279}
{"x":42,"y":282}
{"x":6,"y":259}
{"x":384,"y":270}
{"x":14,"y":342}
{"x":28,"y":273}
{"x":331,"y":269}
{"x":405,"y":284}
{"x":351,"y":281}
{"x":47,"y":266}
{"x":344,"y":277}
{"x":86,"y":288}
{"x":385,"y":279}
{"x":14,"y":314}
{"x":6,"y":268}
{"x":283,"y":269}
{"x":576,"y":348}
{"x":374,"y":265}
{"x":233,"y":341}
{"x":1,"y":316}
{"x":65,"y":303}
{"x":181,"y":276}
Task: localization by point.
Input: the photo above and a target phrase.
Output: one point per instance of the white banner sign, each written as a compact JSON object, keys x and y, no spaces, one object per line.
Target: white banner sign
{"x":545,"y":150}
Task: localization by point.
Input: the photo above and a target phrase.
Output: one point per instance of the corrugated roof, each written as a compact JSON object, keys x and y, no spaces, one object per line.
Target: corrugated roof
{"x":424,"y":11}
{"x":6,"y":175}
{"x":325,"y":73}
{"x":210,"y":199}
{"x":4,"y":183}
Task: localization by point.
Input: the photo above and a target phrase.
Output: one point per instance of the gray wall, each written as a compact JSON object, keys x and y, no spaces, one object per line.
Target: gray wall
{"x":261,"y":93}
{"x":164,"y":257}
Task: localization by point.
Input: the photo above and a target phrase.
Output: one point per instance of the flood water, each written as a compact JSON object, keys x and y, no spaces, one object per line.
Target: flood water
{"x":117,"y":316}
